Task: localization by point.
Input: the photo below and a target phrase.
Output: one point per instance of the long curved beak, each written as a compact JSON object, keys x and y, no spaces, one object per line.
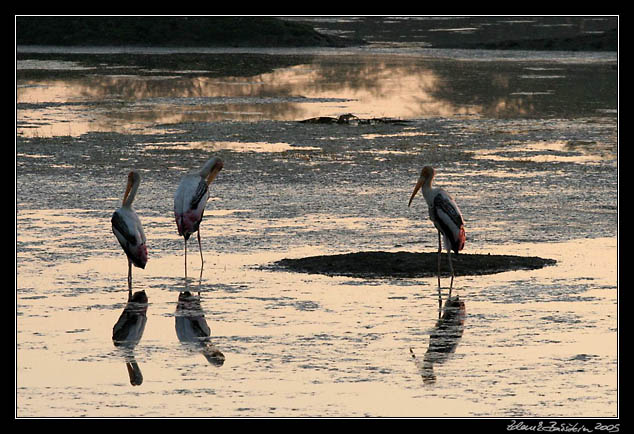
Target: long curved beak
{"x":214,"y":171}
{"x":419,"y":184}
{"x":130,"y":190}
{"x":132,"y":178}
{"x":127,"y":191}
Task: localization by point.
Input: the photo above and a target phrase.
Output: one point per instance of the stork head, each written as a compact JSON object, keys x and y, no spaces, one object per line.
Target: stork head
{"x":211,"y":169}
{"x":426,"y":175}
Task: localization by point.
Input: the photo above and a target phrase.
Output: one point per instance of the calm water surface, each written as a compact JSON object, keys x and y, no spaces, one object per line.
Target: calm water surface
{"x":525,"y":142}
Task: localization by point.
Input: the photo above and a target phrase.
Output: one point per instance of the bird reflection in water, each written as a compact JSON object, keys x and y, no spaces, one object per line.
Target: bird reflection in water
{"x":443,"y":340}
{"x":192,"y":327}
{"x":128,"y":330}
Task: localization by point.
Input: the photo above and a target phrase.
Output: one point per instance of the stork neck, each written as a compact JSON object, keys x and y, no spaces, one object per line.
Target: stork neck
{"x":427,"y":190}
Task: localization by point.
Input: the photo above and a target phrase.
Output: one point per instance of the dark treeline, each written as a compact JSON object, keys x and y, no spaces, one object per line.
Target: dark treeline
{"x":168,"y":31}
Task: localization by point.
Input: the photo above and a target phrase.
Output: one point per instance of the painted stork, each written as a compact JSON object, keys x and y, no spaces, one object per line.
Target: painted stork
{"x":446,"y":216}
{"x":127,"y":227}
{"x":190,"y":200}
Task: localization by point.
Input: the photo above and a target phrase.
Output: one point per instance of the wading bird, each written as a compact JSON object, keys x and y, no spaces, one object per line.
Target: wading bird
{"x":190,"y":200}
{"x":126,"y":226}
{"x":446,"y":216}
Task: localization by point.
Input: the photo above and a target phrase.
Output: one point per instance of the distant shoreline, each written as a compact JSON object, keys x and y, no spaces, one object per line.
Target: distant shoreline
{"x":171,"y":32}
{"x":249,"y":32}
{"x":604,"y":42}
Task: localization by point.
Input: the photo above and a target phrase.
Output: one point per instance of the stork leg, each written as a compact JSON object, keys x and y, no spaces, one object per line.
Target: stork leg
{"x":129,"y":279}
{"x":439,"y":256}
{"x":202,"y":261}
{"x":185,"y":259}
{"x":452,"y":273}
{"x":200,"y":281}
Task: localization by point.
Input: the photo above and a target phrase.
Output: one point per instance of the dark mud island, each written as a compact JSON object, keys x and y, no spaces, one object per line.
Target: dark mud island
{"x":409,"y":264}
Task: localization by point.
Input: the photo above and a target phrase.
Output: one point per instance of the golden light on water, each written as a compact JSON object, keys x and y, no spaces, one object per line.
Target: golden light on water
{"x":400,"y":90}
{"x":512,"y":144}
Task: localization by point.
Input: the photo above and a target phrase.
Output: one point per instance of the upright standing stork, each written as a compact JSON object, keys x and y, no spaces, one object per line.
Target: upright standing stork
{"x":126,"y":226}
{"x":446,"y":216}
{"x":190,"y":200}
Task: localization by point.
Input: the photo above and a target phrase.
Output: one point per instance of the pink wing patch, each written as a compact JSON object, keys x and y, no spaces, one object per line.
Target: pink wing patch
{"x":142,"y":255}
{"x":462,"y":238}
{"x":188,"y":222}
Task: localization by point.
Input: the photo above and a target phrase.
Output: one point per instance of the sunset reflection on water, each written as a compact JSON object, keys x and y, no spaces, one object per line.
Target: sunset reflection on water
{"x":401,"y":87}
{"x":123,"y":103}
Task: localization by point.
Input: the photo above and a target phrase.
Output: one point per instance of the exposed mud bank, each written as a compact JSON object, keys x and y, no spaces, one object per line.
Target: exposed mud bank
{"x":408,"y":264}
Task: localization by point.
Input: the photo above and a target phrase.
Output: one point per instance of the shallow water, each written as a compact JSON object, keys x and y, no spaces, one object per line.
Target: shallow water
{"x":525,"y":144}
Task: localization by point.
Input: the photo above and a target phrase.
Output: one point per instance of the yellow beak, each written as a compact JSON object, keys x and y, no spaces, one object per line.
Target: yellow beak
{"x":419,"y":184}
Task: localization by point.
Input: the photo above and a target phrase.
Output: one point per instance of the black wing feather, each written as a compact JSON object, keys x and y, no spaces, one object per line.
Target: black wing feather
{"x":444,"y":205}
{"x":454,"y":215}
{"x":119,"y":223}
{"x":198,"y":195}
